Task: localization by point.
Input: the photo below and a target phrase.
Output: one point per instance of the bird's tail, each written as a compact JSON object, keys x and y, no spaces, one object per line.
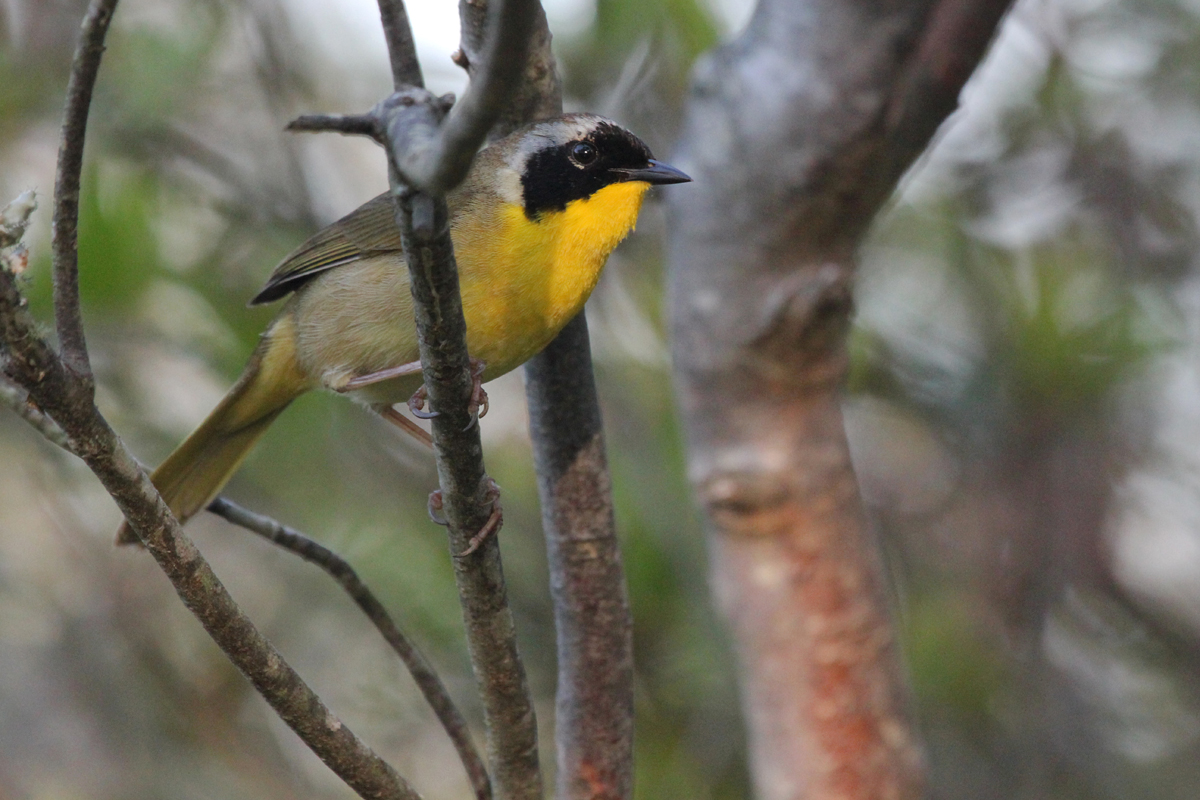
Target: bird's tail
{"x":195,"y":473}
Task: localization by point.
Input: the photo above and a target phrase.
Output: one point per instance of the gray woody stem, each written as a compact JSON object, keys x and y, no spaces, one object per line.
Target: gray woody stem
{"x":429,"y":156}
{"x":594,"y":719}
{"x":796,"y":134}
{"x":595,"y":650}
{"x":466,"y":493}
{"x":594,"y":707}
{"x":65,"y":222}
{"x":62,"y":389}
{"x":467,"y":502}
{"x":402,"y":52}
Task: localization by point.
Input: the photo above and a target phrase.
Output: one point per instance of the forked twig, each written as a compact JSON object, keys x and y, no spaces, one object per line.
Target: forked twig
{"x":435,"y":158}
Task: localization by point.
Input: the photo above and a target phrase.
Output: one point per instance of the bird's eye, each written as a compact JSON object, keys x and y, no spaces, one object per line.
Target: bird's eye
{"x":583,"y":154}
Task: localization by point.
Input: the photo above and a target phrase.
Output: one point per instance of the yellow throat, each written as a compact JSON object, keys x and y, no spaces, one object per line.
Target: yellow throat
{"x":540,"y":272}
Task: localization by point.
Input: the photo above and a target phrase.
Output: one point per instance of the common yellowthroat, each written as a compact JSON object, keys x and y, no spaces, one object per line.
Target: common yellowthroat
{"x":532,"y":225}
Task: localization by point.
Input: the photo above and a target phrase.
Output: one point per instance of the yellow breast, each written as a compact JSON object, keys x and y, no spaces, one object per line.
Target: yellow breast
{"x":523,"y":280}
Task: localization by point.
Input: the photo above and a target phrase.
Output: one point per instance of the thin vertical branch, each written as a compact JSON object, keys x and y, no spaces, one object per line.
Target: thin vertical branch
{"x":401,"y":124}
{"x":594,"y":705}
{"x":402,"y":50}
{"x":65,"y":243}
{"x":468,"y":500}
{"x":430,"y":155}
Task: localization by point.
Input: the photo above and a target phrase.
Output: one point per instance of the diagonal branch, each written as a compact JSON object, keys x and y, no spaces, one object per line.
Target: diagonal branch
{"x":65,"y":243}
{"x":63,"y":390}
{"x":68,"y":401}
{"x":423,"y":674}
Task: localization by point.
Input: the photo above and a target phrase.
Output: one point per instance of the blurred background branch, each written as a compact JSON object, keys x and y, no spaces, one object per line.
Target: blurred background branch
{"x":762,"y":261}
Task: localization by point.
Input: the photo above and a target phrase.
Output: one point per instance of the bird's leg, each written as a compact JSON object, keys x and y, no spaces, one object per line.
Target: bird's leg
{"x":494,"y":521}
{"x":359,"y":381}
{"x":407,"y":425}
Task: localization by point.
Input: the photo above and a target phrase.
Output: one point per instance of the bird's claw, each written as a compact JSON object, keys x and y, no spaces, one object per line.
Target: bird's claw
{"x":416,"y":404}
{"x":492,"y":526}
{"x":477,"y":406}
{"x":435,"y":508}
{"x":495,"y":520}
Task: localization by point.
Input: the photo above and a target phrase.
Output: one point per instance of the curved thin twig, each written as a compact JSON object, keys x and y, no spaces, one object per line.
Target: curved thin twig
{"x":510,"y":24}
{"x":67,"y":316}
{"x":423,"y":674}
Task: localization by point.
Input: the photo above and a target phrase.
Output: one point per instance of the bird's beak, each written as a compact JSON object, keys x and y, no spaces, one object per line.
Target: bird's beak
{"x":656,"y":173}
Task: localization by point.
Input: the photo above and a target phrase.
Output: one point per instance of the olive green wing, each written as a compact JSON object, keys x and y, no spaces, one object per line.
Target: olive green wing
{"x":369,"y":229}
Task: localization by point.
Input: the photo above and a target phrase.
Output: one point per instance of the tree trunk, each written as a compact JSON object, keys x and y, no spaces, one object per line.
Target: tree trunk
{"x":796,"y":134}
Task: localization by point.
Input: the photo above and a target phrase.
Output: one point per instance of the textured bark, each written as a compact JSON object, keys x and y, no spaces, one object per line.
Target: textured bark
{"x":64,"y":241}
{"x":594,"y":704}
{"x":467,"y":502}
{"x":796,"y":134}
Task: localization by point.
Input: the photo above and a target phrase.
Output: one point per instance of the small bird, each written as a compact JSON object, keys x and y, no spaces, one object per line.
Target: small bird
{"x":532,"y":225}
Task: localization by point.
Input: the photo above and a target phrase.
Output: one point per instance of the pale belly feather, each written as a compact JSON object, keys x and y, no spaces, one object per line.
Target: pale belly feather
{"x":358,"y":318}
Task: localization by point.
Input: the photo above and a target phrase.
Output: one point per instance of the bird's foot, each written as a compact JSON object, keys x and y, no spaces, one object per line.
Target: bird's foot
{"x":416,"y":404}
{"x":477,"y":406}
{"x":434,"y":507}
{"x":494,"y":521}
{"x":491,"y":527}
